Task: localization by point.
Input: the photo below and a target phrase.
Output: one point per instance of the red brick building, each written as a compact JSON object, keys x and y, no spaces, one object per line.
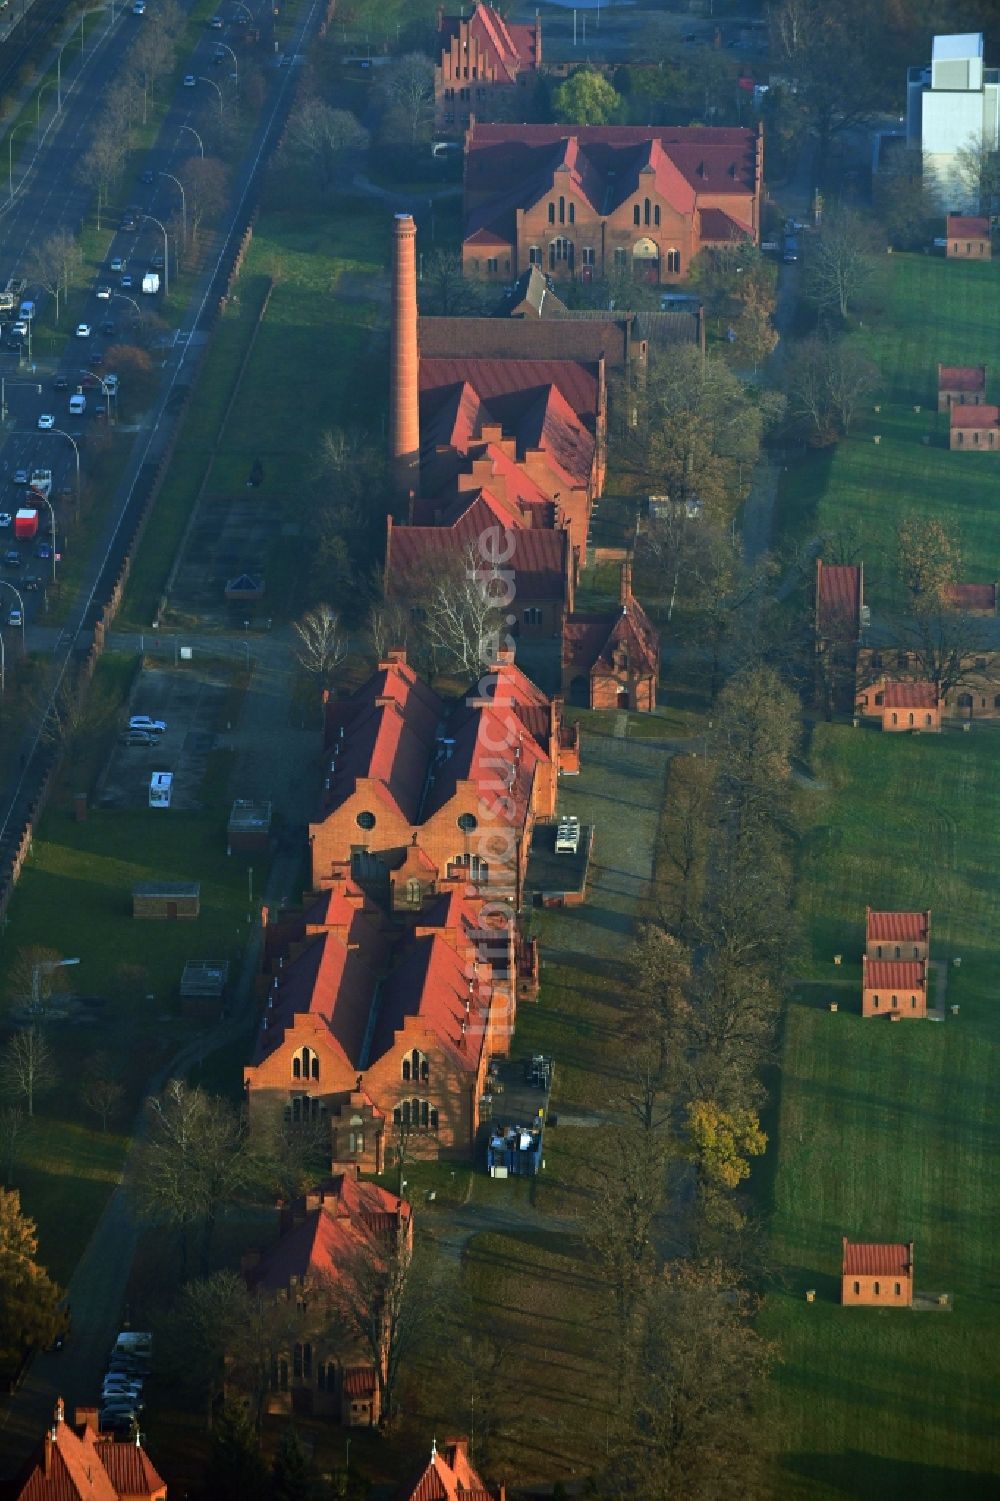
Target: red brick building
{"x":974,"y":427}
{"x":385,"y":1032}
{"x":449,"y":1476}
{"x":902,"y":706}
{"x":592,"y":200}
{"x":973,"y":599}
{"x":968,"y":238}
{"x":612,"y":661}
{"x":897,"y":935}
{"x":876,"y":1275}
{"x":961,"y":386}
{"x":79,"y":1463}
{"x":893,"y":987}
{"x":484,"y":63}
{"x":462,"y":783}
{"x":326,"y":1236}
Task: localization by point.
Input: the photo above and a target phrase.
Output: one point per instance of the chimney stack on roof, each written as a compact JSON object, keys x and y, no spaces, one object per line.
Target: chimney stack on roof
{"x":404,"y":368}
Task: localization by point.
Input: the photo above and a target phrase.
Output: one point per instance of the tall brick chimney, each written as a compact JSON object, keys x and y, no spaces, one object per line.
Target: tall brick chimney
{"x":404,"y":374}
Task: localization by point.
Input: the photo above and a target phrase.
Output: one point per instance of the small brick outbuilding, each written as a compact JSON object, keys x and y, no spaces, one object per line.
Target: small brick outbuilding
{"x":876,"y":1275}
{"x":968,"y":238}
{"x":975,"y":427}
{"x":961,"y":386}
{"x":166,"y":899}
{"x":897,"y":935}
{"x":894,"y":987}
{"x":902,"y":705}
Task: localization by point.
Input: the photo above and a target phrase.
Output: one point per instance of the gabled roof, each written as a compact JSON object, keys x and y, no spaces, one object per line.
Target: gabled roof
{"x":510,"y":48}
{"x":388,"y":727}
{"x":336,"y":1218}
{"x":876,"y":1259}
{"x":838,"y":599}
{"x":718,"y":226}
{"x":529,"y":294}
{"x":130,"y":1469}
{"x":897,"y":927}
{"x":88,"y":1467}
{"x":494,"y":379}
{"x":981,"y":416}
{"x":540,"y":557}
{"x":501,"y":158}
{"x":910,"y":695}
{"x":447,"y":1476}
{"x":591,"y":642}
{"x":529,"y":338}
{"x":431,"y":984}
{"x":330,"y":984}
{"x":893,"y":974}
{"x":961,"y":377}
{"x":968,"y":224}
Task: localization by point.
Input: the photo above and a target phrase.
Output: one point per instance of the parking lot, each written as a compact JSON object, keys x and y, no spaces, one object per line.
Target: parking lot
{"x":191,"y":701}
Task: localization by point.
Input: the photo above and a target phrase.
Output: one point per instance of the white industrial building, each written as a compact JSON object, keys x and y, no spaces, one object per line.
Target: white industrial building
{"x":954,"y":103}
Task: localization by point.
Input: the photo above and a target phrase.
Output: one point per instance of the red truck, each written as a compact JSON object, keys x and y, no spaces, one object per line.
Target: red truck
{"x":26,"y":524}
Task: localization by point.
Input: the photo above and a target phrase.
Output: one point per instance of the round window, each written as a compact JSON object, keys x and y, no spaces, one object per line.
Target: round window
{"x":366,"y":820}
{"x":467,"y":822}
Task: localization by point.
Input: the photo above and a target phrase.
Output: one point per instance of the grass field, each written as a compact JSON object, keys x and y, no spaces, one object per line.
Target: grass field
{"x":889,"y":1133}
{"x":936,"y":312}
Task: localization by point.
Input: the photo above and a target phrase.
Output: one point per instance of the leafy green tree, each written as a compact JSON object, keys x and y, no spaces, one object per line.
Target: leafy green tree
{"x":235,"y":1470}
{"x":293,"y":1475}
{"x":586,"y":98}
{"x":724,"y":1140}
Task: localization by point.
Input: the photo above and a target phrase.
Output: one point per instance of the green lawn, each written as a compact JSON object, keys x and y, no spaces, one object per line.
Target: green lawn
{"x":936,"y":311}
{"x":888,"y":1133}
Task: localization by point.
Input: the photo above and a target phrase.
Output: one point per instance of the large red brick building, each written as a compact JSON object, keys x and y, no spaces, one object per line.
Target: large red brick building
{"x":484,"y":64}
{"x":876,"y":1275}
{"x":338,"y":1229}
{"x":593,"y":200}
{"x":76,"y":1462}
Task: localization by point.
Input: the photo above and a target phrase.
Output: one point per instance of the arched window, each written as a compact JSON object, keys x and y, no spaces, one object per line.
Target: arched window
{"x":897,"y":1289}
{"x":572,"y":212}
{"x":534,"y":255}
{"x":673,"y":258}
{"x":305,"y":1064}
{"x":645,"y":211}
{"x":895,"y":1001}
{"x":876,"y":1288}
{"x":356,"y":1136}
{"x":895,"y":718}
{"x":562,"y":210}
{"x":875,"y":1002}
{"x":414,"y":892}
{"x":297,"y":1066}
{"x":406,"y":1070}
{"x":656,"y":215}
{"x":552,"y":213}
{"x":560,"y":251}
{"x":636,"y":215}
{"x":911,"y":721}
{"x":928,"y":719}
{"x":857,"y":1288}
{"x":913,"y":1003}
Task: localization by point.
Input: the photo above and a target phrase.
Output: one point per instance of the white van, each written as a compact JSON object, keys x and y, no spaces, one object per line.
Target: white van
{"x":77,"y":406}
{"x":161,"y":785}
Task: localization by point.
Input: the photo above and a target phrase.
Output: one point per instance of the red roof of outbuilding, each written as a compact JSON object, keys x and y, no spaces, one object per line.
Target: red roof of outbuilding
{"x":838,"y":599}
{"x":910,"y":696}
{"x":894,"y":974}
{"x":591,"y":641}
{"x":961,"y":377}
{"x":968,"y":416}
{"x":717,"y":225}
{"x":965,"y":224}
{"x":977,"y":599}
{"x":359,"y":1382}
{"x":898,"y":927}
{"x":876,"y":1259}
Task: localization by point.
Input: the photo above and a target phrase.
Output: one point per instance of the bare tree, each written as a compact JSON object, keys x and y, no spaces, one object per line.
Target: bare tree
{"x":827,"y":380}
{"x":206,"y":190}
{"x":324,"y":138}
{"x":977,"y":168}
{"x":389,"y":626}
{"x":55,"y":262}
{"x":321,"y":644}
{"x":36,"y":974}
{"x":386,"y":1301}
{"x":14,"y":1130}
{"x":27,"y":1067}
{"x":407,"y":86}
{"x":446,"y":291}
{"x":841,"y":261}
{"x":100,"y":1091}
{"x":464,"y":607}
{"x":104,"y":163}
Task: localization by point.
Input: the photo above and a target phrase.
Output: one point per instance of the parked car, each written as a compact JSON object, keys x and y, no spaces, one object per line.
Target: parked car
{"x":46,"y":422}
{"x":144,"y":722}
{"x":790,"y":251}
{"x":138,"y":737}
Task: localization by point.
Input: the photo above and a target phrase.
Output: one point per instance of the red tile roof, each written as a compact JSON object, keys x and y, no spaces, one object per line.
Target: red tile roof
{"x":968,"y":416}
{"x":540,"y":558}
{"x":448,"y":1476}
{"x":838,"y":599}
{"x":86,"y":1467}
{"x":509,"y":47}
{"x":876,"y":1259}
{"x":492,"y":379}
{"x":359,"y":1382}
{"x":591,"y":642}
{"x":964,"y":224}
{"x":389,"y":727}
{"x":534,"y":338}
{"x":961,"y":377}
{"x":430,"y":986}
{"x":894,"y":974}
{"x":910,"y":696}
{"x":503,"y":157}
{"x":323,"y":1243}
{"x":717,"y":225}
{"x":897,"y":927}
{"x":975,"y":599}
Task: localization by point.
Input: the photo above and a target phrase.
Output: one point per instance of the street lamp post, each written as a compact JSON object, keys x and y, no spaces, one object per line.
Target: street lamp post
{"x":215,"y":86}
{"x":166,"y":253}
{"x":10,"y":154}
{"x":36,"y":971}
{"x":201,"y":143}
{"x":184,"y":212}
{"x":38,"y":102}
{"x":236,"y":67}
{"x":126,"y":298}
{"x":37,"y":495}
{"x":109,"y":396}
{"x":32,"y":385}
